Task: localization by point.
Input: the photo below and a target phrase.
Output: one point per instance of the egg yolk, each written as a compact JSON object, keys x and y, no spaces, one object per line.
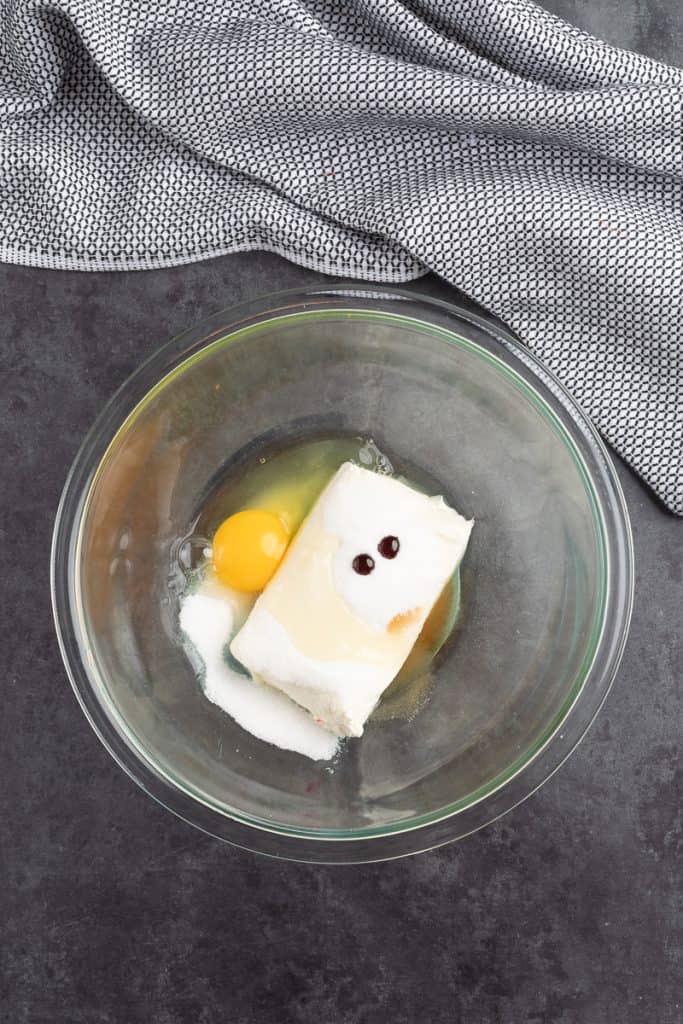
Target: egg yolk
{"x":248,"y":547}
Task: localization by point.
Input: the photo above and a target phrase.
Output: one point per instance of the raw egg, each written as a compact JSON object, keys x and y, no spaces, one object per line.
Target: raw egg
{"x":247,"y":548}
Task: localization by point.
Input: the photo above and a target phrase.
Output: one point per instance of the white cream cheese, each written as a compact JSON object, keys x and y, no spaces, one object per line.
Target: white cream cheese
{"x":331,"y":638}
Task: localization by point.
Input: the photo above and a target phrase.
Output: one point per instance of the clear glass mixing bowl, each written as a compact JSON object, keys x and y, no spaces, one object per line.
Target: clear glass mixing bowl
{"x":546,"y":584}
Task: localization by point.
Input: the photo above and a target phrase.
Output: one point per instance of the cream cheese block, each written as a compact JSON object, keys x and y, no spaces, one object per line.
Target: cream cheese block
{"x":341,"y":614}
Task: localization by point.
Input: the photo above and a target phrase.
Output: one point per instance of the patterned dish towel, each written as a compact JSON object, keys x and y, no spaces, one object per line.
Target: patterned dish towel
{"x":536,"y":168}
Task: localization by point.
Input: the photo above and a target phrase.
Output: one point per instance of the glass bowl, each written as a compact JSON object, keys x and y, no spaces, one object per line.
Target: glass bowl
{"x":546,"y":585}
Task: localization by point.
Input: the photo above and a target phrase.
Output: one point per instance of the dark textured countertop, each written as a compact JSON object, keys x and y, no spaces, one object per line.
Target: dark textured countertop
{"x":114,"y":912}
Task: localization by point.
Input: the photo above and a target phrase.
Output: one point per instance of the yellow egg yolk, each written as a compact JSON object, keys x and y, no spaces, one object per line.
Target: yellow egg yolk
{"x":247,"y":548}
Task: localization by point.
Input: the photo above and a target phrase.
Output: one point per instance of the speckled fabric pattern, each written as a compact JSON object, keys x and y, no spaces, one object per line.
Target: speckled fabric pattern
{"x":527,"y":163}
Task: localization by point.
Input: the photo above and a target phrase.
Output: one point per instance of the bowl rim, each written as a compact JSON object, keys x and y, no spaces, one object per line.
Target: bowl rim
{"x":423,"y":831}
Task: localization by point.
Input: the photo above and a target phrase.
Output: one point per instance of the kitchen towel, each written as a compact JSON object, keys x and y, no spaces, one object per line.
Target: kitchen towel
{"x":536,"y":168}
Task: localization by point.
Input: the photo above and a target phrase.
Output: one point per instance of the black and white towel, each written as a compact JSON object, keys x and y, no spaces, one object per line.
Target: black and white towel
{"x":536,"y":168}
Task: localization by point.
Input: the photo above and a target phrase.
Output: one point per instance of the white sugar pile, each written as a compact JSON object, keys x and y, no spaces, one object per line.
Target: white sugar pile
{"x":208,"y":619}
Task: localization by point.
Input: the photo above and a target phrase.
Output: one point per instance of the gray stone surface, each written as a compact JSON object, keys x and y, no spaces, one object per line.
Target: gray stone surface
{"x":114,"y":912}
{"x":653,"y":27}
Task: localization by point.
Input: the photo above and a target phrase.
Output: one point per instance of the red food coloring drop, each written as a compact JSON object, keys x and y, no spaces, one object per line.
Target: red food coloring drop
{"x":389,"y":547}
{"x":363,"y":564}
